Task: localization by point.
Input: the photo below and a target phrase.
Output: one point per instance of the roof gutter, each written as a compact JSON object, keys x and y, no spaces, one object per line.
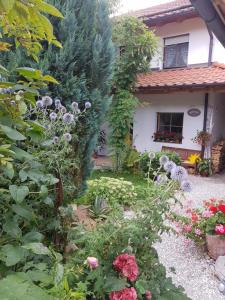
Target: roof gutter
{"x":207,"y":11}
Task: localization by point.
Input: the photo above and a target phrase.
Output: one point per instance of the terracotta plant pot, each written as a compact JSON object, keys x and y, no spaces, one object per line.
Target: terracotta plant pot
{"x":215,"y":246}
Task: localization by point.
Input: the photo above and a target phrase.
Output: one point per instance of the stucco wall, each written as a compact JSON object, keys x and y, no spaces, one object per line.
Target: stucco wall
{"x":198,"y":42}
{"x":217,"y":102}
{"x":145,"y":119}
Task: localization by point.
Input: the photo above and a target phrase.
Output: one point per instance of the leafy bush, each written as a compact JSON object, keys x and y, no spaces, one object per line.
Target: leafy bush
{"x":155,"y":164}
{"x":114,"y":191}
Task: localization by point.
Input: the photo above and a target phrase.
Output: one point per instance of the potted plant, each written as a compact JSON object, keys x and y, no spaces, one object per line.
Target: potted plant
{"x":202,"y":138}
{"x":206,"y":226}
{"x":204,"y":167}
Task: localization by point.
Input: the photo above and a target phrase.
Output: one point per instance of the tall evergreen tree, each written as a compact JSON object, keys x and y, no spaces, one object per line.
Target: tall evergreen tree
{"x":84,"y":69}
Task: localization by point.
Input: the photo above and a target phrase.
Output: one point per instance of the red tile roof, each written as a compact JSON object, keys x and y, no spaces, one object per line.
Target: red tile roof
{"x":213,"y":75}
{"x":163,"y":9}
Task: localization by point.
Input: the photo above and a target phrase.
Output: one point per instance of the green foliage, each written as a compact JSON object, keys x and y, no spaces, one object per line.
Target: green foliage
{"x":137,"y":46}
{"x":204,"y":167}
{"x":136,"y":236}
{"x":84,"y":68}
{"x":19,"y":19}
{"x":155,"y":165}
{"x":113,"y":191}
{"x":120,"y":119}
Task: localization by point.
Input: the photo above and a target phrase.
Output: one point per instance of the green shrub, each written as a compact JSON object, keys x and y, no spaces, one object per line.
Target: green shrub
{"x":144,"y":160}
{"x":112,"y":190}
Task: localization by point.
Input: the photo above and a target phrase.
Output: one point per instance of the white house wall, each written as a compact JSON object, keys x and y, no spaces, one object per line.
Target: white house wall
{"x":145,"y":119}
{"x":198,"y":42}
{"x":217,"y":102}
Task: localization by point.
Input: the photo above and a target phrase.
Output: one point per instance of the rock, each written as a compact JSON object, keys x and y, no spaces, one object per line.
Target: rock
{"x":220,"y":268}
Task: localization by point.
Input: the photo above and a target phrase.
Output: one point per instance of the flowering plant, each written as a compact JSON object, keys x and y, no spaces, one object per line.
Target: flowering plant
{"x":166,"y":136}
{"x":210,"y":219}
{"x":126,"y":265}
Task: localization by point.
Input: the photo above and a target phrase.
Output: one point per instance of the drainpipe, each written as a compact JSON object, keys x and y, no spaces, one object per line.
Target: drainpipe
{"x":206,"y":102}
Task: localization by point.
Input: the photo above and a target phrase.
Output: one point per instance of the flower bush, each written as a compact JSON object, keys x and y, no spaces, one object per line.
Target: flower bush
{"x":196,"y":223}
{"x":126,"y":265}
{"x":112,"y":190}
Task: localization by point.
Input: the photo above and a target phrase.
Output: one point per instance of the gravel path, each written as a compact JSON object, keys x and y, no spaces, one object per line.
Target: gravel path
{"x":188,"y":265}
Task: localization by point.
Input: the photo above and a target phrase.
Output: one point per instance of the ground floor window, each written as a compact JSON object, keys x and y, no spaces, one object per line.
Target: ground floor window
{"x":169,"y":128}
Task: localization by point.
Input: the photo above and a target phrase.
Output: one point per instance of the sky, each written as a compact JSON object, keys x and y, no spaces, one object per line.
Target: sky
{"x":128,"y":5}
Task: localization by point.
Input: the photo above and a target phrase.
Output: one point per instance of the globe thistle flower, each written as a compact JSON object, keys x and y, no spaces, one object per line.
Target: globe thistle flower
{"x":39,"y":104}
{"x":62,"y":109}
{"x":53,"y":116}
{"x":67,"y":136}
{"x":68,"y":118}
{"x":13,"y":103}
{"x":163,"y":160}
{"x":74,"y":105}
{"x":162,"y":179}
{"x":57,"y":103}
{"x":55,"y":139}
{"x":179,"y":173}
{"x":186,"y":186}
{"x":151,"y":155}
{"x":87,"y":105}
{"x":47,"y":101}
{"x":169,"y":166}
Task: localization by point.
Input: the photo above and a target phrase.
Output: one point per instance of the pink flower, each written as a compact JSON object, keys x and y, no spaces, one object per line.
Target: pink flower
{"x":220,"y":229}
{"x":198,"y":231}
{"x":187,"y":228}
{"x":148,"y":295}
{"x":125,"y":294}
{"x":126,"y":265}
{"x":207,"y":214}
{"x":187,"y":242}
{"x":92,"y":262}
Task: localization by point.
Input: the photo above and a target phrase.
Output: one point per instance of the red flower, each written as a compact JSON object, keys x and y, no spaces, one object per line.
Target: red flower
{"x":221,"y":207}
{"x":126,"y":265}
{"x":220,"y":229}
{"x":213,"y":209}
{"x":194,"y":217}
{"x":125,"y":294}
{"x":148,"y":295}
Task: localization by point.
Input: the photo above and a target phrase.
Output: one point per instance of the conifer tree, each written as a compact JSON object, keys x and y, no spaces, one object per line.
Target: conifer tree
{"x":84,"y":69}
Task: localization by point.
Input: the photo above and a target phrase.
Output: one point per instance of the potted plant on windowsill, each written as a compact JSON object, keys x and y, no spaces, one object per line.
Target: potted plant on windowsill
{"x":205,"y":226}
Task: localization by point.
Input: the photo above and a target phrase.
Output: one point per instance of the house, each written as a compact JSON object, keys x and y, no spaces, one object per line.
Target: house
{"x":185,"y":91}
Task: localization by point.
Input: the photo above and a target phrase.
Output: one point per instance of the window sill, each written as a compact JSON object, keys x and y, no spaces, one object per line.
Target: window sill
{"x":168,"y":142}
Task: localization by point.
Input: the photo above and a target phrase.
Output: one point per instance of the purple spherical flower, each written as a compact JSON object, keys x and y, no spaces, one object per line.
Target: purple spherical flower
{"x":87,"y":105}
{"x":53,"y":116}
{"x":47,"y":101}
{"x":67,"y":136}
{"x":39,"y":104}
{"x":169,"y":166}
{"x":163,"y":160}
{"x":62,"y":109}
{"x":57,"y":103}
{"x":68,"y":118}
{"x":151,"y":155}
{"x":75,"y":105}
{"x":186,"y":186}
{"x":179,"y":173}
{"x":55,"y":139}
{"x":13,"y":103}
{"x":162,"y":179}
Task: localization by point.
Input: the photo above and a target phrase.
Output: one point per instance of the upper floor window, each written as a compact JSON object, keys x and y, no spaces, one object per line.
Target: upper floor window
{"x":176,"y":51}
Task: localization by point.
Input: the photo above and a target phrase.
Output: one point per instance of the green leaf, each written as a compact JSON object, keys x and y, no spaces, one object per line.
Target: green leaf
{"x":12,"y":133}
{"x":115,"y":284}
{"x":21,"y":154}
{"x":50,"y":79}
{"x":22,"y":212}
{"x":32,"y":237}
{"x":7,"y":5}
{"x":17,"y":287}
{"x":3,"y":70}
{"x":12,"y":254}
{"x":38,"y":248}
{"x":59,"y":272}
{"x":29,"y":73}
{"x":9,"y":171}
{"x":18,"y":193}
{"x":12,"y":229}
{"x":23,"y":175}
{"x":49,"y":9}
